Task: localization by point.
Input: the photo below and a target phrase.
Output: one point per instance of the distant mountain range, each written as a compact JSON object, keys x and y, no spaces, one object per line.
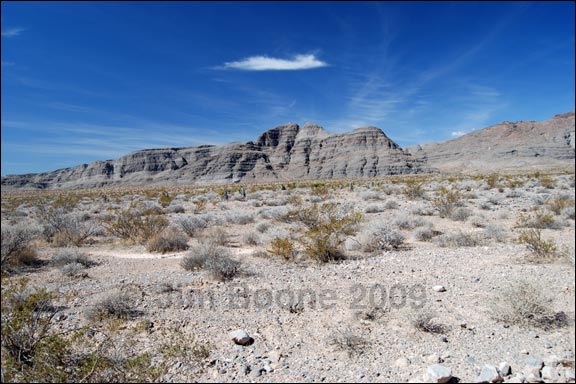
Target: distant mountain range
{"x":290,"y":152}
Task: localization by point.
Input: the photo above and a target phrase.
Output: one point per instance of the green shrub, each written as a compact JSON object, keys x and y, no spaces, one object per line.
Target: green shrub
{"x":282,"y":246}
{"x":541,"y":251}
{"x":136,"y":225}
{"x":446,"y":200}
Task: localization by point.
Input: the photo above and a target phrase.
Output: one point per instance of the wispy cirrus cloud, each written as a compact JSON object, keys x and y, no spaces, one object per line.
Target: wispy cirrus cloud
{"x":12,"y":32}
{"x":265,"y":63}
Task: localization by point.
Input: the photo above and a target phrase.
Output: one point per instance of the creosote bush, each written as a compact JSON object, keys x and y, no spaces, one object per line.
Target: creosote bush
{"x":16,"y":245}
{"x":541,"y":251}
{"x":446,"y":200}
{"x":215,"y":259}
{"x":284,"y":247}
{"x":136,"y":225}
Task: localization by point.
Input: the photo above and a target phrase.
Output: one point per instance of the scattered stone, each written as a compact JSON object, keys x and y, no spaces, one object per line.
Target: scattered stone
{"x":439,"y":288}
{"x":275,"y":356}
{"x":533,"y":378}
{"x":256,"y":373}
{"x":514,"y":380}
{"x":240,"y":337}
{"x":471,"y":360}
{"x":549,"y":373}
{"x":402,"y":362}
{"x":570,"y":375}
{"x":533,"y":361}
{"x":434,"y":359}
{"x":439,"y":373}
{"x":489,"y":374}
{"x":504,"y":369}
{"x":524,"y":352}
{"x":268,"y":368}
{"x":443,"y":339}
{"x":551,"y":361}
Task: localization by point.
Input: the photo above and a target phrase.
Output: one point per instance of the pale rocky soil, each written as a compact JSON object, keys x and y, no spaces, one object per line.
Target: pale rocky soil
{"x":297,"y":345}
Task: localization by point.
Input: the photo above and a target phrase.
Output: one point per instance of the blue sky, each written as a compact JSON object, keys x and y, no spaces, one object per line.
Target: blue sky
{"x":85,"y":81}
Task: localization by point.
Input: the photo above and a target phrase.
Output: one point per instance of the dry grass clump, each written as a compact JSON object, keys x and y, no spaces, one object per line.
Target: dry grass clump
{"x":524,"y":304}
{"x":426,"y":233}
{"x":348,"y":341}
{"x":446,"y":200}
{"x":191,"y":225}
{"x":496,"y":232}
{"x":539,"y":219}
{"x":461,"y":214}
{"x":171,"y":239}
{"x":118,"y":303}
{"x":422,"y":320}
{"x":72,"y":262}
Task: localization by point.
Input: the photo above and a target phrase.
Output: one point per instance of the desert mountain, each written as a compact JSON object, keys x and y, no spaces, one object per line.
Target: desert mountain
{"x":505,"y":146}
{"x":287,"y":152}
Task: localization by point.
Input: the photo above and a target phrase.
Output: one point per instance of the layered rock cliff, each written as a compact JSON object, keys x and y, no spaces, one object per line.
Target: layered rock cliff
{"x":505,"y":146}
{"x":287,"y":152}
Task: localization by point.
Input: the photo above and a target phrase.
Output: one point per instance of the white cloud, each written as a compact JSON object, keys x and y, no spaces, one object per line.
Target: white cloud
{"x":11,"y":32}
{"x":458,"y":133}
{"x":265,"y":63}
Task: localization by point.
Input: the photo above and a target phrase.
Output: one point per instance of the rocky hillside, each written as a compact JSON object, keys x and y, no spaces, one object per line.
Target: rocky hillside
{"x":505,"y":146}
{"x":287,"y":152}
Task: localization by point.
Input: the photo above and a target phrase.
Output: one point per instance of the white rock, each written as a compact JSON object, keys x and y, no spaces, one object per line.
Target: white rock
{"x":549,"y":373}
{"x":439,"y":288}
{"x":489,"y":374}
{"x":402,"y":362}
{"x":240,"y":337}
{"x":551,"y":361}
{"x":504,"y":369}
{"x":439,"y":373}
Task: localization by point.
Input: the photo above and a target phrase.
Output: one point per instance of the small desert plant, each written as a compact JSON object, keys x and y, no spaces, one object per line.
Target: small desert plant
{"x":69,"y":256}
{"x":391,"y":204}
{"x":370,"y":195}
{"x":446,"y":200}
{"x":422,"y":210}
{"x":478,"y":221}
{"x":176,"y":209}
{"x":199,"y":205}
{"x":213,"y":258}
{"x":349,"y":342}
{"x":458,"y":239}
{"x":16,"y":245}
{"x":382,"y":237}
{"x":409,"y":222}
{"x":282,"y":246}
{"x":540,"y":219}
{"x":165,"y":199}
{"x":559,"y":203}
{"x":495,"y":232}
{"x":136,"y":225}
{"x":422,"y":320}
{"x":492,"y":180}
{"x":251,"y":238}
{"x":236,"y":217}
{"x":170,"y":239}
{"x":425,"y":234}
{"x":217,"y":235}
{"x":461,"y":214}
{"x":374,"y":208}
{"x":523,"y":303}
{"x":541,"y":251}
{"x":414,"y":189}
{"x":118,"y":303}
{"x":262,"y":227}
{"x":191,"y":224}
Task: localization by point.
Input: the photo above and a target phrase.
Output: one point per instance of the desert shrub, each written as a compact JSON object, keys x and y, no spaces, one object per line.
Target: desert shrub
{"x":325,"y":230}
{"x":282,"y":246}
{"x":492,"y":180}
{"x":495,"y":232}
{"x":200,"y":205}
{"x":68,"y":256}
{"x":513,"y":193}
{"x":251,"y":238}
{"x":217,"y":235}
{"x":568,"y":213}
{"x":422,"y":320}
{"x":276,"y":202}
{"x":370,"y":195}
{"x":539,"y":219}
{"x":262,"y":227}
{"x":165,"y":199}
{"x":118,"y":303}
{"x":391,"y":204}
{"x":559,"y":203}
{"x":547,"y":182}
{"x":478,"y":221}
{"x":422,"y":210}
{"x":495,"y":200}
{"x":446,"y":200}
{"x":541,"y":251}
{"x":413,"y":189}
{"x":485,"y":205}
{"x":16,"y":245}
{"x":524,"y":304}
{"x":458,"y":239}
{"x":381,"y":237}
{"x":277,"y":213}
{"x":135,"y":225}
{"x":171,"y":239}
{"x":425,"y":234}
{"x":374,"y":208}
{"x":65,"y":228}
{"x":223,"y":267}
{"x":191,"y":224}
{"x":213,"y":258}
{"x":237,"y":217}
{"x":409,"y":222}
{"x":461,"y":214}
{"x":176,"y":209}
{"x":349,"y":342}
